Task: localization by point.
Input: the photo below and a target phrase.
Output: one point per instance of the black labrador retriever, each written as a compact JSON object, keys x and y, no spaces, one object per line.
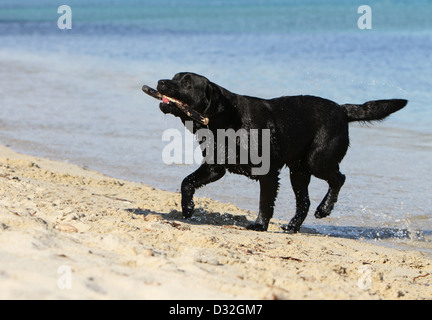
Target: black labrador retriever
{"x":306,"y":133}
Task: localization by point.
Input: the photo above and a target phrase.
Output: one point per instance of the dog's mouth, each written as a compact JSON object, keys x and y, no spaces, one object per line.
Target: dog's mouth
{"x":172,"y":105}
{"x":165,"y":100}
{"x":167,"y":108}
{"x":169,"y":105}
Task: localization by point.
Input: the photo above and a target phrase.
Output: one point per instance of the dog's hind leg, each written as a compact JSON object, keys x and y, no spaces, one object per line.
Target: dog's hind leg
{"x":205,"y":174}
{"x":335,"y":181}
{"x":299,"y":181}
{"x":269,"y":187}
{"x":323,"y":161}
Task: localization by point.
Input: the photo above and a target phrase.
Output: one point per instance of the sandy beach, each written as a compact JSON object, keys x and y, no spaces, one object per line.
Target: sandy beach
{"x":70,"y":233}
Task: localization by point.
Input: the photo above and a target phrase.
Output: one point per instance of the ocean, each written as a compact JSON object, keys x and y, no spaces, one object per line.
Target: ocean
{"x":75,"y":94}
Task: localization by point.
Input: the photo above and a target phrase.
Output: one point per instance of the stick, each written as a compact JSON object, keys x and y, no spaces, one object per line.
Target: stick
{"x":421,"y":276}
{"x":111,"y":197}
{"x":182,"y":106}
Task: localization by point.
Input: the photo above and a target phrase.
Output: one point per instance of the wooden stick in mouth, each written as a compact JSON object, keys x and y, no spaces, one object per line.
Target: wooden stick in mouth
{"x":182,"y":106}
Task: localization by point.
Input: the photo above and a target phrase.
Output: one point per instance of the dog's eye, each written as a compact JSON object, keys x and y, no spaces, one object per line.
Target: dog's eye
{"x":187,"y":83}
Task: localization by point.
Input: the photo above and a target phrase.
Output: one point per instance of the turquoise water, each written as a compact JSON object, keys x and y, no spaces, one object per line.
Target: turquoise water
{"x":75,"y":94}
{"x":293,"y":46}
{"x":238,"y":16}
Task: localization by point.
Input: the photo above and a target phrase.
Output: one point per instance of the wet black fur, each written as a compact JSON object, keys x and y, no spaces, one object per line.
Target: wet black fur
{"x":308,"y":134}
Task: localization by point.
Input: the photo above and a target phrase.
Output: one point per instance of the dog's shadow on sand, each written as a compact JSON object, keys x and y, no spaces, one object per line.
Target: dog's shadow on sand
{"x":200,"y":217}
{"x":204,"y":217}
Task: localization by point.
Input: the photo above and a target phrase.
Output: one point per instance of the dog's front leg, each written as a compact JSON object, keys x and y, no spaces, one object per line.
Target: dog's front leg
{"x":269,"y":186}
{"x":205,"y":174}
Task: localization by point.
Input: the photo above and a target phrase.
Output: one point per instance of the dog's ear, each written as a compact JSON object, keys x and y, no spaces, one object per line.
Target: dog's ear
{"x":209,"y":92}
{"x":208,"y":96}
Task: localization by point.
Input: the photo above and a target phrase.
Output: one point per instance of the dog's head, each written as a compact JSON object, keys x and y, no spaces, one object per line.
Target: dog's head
{"x":192,"y":89}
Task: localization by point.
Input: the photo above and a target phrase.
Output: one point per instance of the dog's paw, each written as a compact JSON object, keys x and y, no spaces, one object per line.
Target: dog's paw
{"x":322,"y":213}
{"x":324,"y":209}
{"x":290,"y":228}
{"x":256,"y":227}
{"x":188,"y":209}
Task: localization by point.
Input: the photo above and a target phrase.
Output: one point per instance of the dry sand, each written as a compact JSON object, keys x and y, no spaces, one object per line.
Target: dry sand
{"x":71,"y":233}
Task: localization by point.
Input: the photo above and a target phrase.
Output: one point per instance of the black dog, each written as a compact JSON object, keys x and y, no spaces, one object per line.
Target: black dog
{"x":308,"y":134}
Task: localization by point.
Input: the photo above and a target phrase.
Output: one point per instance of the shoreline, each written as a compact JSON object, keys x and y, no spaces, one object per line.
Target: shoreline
{"x":126,"y":240}
{"x":392,"y":192}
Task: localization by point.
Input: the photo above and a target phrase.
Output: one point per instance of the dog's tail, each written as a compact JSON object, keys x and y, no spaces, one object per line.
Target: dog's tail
{"x":373,"y":110}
